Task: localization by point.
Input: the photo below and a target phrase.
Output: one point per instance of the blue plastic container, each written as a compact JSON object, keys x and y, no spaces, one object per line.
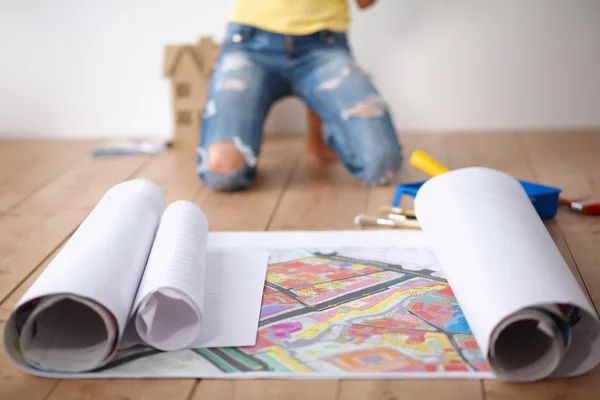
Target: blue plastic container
{"x":544,"y":198}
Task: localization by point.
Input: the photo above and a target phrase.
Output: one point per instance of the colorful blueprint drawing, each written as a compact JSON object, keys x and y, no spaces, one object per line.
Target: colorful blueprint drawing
{"x":339,"y":314}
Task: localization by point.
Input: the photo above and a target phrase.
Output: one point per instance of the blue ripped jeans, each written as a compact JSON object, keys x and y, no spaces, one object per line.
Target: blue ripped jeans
{"x":256,"y":68}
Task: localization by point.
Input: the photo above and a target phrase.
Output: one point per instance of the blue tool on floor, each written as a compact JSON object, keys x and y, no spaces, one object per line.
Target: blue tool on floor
{"x":545,"y":199}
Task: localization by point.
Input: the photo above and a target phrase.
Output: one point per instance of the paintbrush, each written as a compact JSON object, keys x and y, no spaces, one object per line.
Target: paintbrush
{"x":590,"y":207}
{"x":397,"y":221}
{"x":398,"y":211}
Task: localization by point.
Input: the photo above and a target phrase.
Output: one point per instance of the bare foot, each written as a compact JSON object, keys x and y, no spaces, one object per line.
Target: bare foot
{"x":317,"y":150}
{"x":320,"y":154}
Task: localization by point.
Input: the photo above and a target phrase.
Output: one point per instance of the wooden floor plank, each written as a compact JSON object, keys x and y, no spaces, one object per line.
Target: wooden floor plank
{"x":25,"y":166}
{"x":81,"y":187}
{"x":17,"y":385}
{"x":33,"y":229}
{"x":175,"y":173}
{"x":571,"y":162}
{"x":171,"y":389}
{"x":499,"y":151}
{"x":320,"y":198}
{"x":410,"y":390}
{"x":583,"y":388}
{"x":290,"y":389}
{"x":265,"y":389}
{"x":214,"y":389}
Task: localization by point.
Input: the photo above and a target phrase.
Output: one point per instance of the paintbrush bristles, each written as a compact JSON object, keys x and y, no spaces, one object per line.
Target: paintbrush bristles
{"x":364,"y":219}
{"x":397,"y":210}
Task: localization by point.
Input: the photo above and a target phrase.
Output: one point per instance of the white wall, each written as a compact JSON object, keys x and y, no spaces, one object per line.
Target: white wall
{"x":93,"y":68}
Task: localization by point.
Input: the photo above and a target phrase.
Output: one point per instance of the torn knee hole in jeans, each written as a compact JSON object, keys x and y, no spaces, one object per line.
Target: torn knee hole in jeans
{"x":371,"y":108}
{"x":226,"y":157}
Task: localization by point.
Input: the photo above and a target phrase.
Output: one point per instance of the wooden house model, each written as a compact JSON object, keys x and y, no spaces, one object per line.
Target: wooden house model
{"x":189,"y":68}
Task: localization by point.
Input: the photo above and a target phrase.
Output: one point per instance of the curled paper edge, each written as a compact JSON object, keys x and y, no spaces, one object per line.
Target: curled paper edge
{"x":176,"y":338}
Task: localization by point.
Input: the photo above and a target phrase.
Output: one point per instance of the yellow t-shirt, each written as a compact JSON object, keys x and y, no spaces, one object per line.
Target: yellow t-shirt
{"x":292,"y":17}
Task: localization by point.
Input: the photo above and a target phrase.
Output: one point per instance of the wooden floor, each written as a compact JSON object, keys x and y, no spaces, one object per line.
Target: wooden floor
{"x":47,"y":189}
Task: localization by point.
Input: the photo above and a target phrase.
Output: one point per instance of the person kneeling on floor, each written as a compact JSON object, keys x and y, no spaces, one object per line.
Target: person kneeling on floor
{"x":277,"y":48}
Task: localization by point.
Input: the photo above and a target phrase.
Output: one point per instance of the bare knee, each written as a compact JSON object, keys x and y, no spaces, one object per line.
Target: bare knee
{"x":224,"y":158}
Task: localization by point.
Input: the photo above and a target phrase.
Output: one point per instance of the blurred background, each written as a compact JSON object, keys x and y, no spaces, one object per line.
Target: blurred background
{"x":73,"y":68}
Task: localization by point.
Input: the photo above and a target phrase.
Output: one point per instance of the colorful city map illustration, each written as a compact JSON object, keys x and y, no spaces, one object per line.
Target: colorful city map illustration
{"x":330,"y":313}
